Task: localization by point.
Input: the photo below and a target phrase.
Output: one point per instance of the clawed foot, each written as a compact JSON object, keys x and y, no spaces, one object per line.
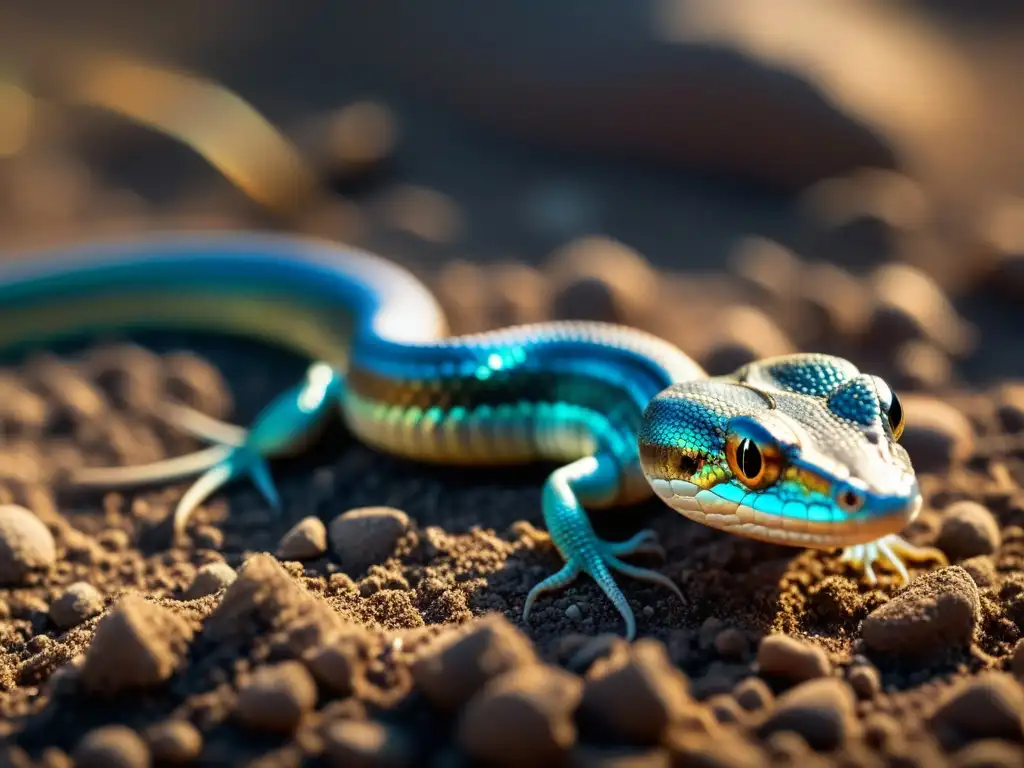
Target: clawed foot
{"x":891,"y":550}
{"x":283,"y":426}
{"x":598,"y":560}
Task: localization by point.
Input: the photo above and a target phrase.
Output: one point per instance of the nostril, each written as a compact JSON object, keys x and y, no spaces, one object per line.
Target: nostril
{"x":850,"y":500}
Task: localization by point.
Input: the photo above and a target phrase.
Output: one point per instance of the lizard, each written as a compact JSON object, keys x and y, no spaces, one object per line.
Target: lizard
{"x":801,"y":449}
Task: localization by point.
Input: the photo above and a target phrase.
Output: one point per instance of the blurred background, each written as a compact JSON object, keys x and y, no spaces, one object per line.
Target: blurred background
{"x":742,"y":178}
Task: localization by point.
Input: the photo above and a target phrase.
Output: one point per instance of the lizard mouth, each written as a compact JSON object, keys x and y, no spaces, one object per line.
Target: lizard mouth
{"x":795,"y":523}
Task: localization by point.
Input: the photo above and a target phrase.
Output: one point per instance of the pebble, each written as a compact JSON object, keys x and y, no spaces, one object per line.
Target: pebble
{"x":306,"y":540}
{"x":451,"y":670}
{"x":276,"y":697}
{"x":989,"y":706}
{"x":936,"y":611}
{"x":80,"y":601}
{"x":597,"y":278}
{"x":989,"y":753}
{"x":921,"y":366}
{"x":753,"y":694}
{"x":338,"y":664}
{"x":573,"y":612}
{"x":771,"y":270}
{"x":366,"y":536}
{"x":968,"y":529}
{"x":174,"y":741}
{"x":138,"y":644}
{"x":865,"y":681}
{"x":210,"y":579}
{"x":838,"y":302}
{"x":1003,"y":239}
{"x":865,"y":212}
{"x":791,"y":658}
{"x":909,"y":304}
{"x":112,"y":746}
{"x":1010,"y":406}
{"x":636,"y":695}
{"x":741,"y":335}
{"x":26,"y":545}
{"x":1017,"y":660}
{"x":354,"y":139}
{"x":821,"y":711}
{"x":523,"y":717}
{"x":731,"y":643}
{"x":365,"y":744}
{"x":937,"y":435}
{"x":981,"y":569}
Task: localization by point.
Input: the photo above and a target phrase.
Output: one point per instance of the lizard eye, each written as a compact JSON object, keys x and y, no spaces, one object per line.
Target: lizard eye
{"x":753,"y":457}
{"x":897,"y":418}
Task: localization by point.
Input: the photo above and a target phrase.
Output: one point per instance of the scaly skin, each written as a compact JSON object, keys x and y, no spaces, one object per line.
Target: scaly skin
{"x":622,"y":411}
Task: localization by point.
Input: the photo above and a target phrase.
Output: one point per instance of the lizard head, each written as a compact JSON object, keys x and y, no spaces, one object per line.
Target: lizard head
{"x":801,"y":450}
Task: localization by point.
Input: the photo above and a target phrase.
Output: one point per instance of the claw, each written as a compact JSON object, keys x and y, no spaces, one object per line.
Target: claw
{"x":592,"y":478}
{"x":891,"y":550}
{"x":282,"y":427}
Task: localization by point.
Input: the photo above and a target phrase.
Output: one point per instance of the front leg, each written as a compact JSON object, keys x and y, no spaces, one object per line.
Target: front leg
{"x":592,"y":479}
{"x":891,"y":550}
{"x":284,"y":426}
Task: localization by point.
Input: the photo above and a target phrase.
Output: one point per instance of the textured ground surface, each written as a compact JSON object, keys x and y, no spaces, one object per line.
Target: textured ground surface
{"x":377,"y":620}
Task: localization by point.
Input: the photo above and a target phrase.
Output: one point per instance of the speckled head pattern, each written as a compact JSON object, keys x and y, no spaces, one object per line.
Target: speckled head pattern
{"x":800,"y":450}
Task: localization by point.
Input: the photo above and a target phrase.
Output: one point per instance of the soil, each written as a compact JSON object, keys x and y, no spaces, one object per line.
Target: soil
{"x":376,"y":620}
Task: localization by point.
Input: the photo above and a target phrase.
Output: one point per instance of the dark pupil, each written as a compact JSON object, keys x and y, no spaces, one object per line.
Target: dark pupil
{"x":749,"y":458}
{"x":895,"y":412}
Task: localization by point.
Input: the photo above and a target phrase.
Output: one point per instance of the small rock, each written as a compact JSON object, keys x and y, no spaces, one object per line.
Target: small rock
{"x":791,"y":658}
{"x":307,"y":540}
{"x":453,"y":669}
{"x":338,"y":664}
{"x":725,"y":709}
{"x":836,"y":301}
{"x":596,"y":278}
{"x":590,"y":756}
{"x":989,"y":706}
{"x":771,"y":270}
{"x":524,"y":717}
{"x":365,"y":744}
{"x":731,"y":643}
{"x":741,"y":335}
{"x":79,"y":602}
{"x":26,"y":544}
{"x":921,"y":366}
{"x":1010,"y":405}
{"x":968,"y":529}
{"x":174,"y":741}
{"x":981,"y":569}
{"x":709,"y":751}
{"x":354,"y":140}
{"x":573,"y":613}
{"x":865,"y":681}
{"x":910,"y":305}
{"x":138,"y":644}
{"x":990,"y":753}
{"x":210,"y":579}
{"x":936,"y":611}
{"x":367,"y":536}
{"x":266,"y":599}
{"x":821,"y":711}
{"x":112,"y":746}
{"x":1017,"y":660}
{"x":638,"y":695}
{"x":276,"y":697}
{"x":937,"y":435}
{"x":753,"y":694}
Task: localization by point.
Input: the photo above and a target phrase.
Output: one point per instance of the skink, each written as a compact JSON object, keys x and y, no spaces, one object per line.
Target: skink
{"x":800,"y":450}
